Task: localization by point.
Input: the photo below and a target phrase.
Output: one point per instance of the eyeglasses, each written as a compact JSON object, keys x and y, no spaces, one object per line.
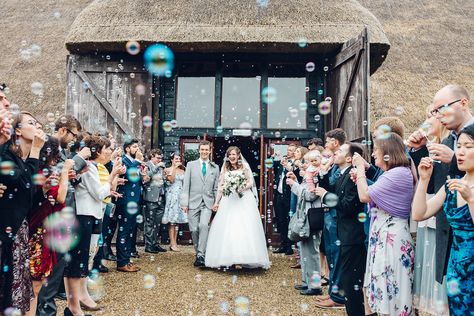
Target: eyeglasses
{"x":437,"y":111}
{"x":71,"y":132}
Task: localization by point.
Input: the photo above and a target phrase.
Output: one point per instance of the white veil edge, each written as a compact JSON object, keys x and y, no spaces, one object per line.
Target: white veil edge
{"x":246,"y":166}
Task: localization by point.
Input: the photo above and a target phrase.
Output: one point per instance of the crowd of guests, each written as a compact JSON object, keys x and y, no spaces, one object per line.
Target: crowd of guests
{"x":64,"y":196}
{"x":365,"y":250}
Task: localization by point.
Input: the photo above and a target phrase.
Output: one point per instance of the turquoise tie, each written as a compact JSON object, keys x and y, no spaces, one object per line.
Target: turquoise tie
{"x":203,"y":169}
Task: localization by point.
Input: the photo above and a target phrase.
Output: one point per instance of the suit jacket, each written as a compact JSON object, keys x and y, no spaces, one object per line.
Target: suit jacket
{"x":132,"y":188}
{"x":197,"y":188}
{"x":350,"y":230}
{"x":278,"y":169}
{"x":154,"y":189}
{"x":443,"y":230}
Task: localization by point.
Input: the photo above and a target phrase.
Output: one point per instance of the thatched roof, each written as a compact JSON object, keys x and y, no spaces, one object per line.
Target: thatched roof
{"x":232,"y":25}
{"x":431,"y":45}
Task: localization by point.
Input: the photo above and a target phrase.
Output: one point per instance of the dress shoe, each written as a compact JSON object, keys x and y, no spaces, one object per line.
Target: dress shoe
{"x":199,"y":262}
{"x":280,"y":250}
{"x":301,"y":287}
{"x":311,"y":292}
{"x":87,"y":308}
{"x":101,"y":268}
{"x":152,"y":250}
{"x":289,"y":252}
{"x":329,"y":303}
{"x":128,"y":268}
{"x":296,"y":266}
{"x":110,"y":257}
{"x":67,"y":312}
{"x":160,"y":249}
{"x":61,"y":296}
{"x":134,"y":254}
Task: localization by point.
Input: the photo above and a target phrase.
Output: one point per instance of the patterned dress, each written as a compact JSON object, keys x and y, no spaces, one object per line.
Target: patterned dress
{"x":389,"y":270}
{"x":460,"y":272}
{"x":173,"y":212}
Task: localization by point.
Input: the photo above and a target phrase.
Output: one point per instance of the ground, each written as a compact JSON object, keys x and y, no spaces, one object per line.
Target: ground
{"x":181,"y":289}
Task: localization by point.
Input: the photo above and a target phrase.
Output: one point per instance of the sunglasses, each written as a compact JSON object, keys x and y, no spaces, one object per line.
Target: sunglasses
{"x":437,"y":111}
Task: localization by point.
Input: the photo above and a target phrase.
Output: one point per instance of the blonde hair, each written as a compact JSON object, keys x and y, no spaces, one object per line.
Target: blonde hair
{"x":312,"y":155}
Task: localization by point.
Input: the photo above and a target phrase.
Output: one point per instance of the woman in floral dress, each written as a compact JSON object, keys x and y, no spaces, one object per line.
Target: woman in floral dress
{"x":174,"y":215}
{"x":390,"y":256}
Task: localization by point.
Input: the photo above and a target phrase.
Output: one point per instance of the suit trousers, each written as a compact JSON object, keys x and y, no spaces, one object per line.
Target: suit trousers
{"x":282,"y":209}
{"x":310,"y":264}
{"x":127,"y":223}
{"x":199,"y":219}
{"x":46,"y":304}
{"x":332,"y":249}
{"x":352,"y":266}
{"x":153,"y":215}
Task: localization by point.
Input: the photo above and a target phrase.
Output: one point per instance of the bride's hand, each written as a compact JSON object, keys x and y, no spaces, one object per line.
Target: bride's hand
{"x":215,"y":207}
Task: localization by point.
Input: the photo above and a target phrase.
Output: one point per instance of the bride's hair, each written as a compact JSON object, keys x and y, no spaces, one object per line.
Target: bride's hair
{"x":227,"y":163}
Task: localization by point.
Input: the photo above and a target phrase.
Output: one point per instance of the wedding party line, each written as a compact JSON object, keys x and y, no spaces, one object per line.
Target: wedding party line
{"x":68,"y":198}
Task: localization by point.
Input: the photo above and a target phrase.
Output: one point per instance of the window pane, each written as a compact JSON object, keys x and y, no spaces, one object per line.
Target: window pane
{"x":241,"y":103}
{"x":195,"y":104}
{"x":288,"y":110}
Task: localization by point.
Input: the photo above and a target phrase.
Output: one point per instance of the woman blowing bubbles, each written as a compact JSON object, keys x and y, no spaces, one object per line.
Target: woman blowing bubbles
{"x":456,"y":199}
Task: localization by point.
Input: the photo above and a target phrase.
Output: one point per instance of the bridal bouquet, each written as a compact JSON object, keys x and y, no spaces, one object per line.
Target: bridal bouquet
{"x":232,"y":183}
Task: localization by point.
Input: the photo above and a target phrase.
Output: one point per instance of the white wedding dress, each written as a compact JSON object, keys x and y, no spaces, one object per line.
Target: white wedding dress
{"x":236,"y":236}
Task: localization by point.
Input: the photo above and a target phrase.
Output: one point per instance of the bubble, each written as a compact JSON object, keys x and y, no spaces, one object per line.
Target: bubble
{"x":399,"y":110}
{"x":277,"y":134}
{"x":324,"y":108}
{"x":7,"y":167}
{"x":245,"y":125}
{"x":335,"y":289}
{"x":50,"y":117}
{"x":317,"y":118}
{"x":356,"y":287}
{"x":325,"y":68}
{"x":242,"y":305}
{"x":133,"y":115}
{"x":386,"y":158}
{"x":167,"y":127}
{"x":159,"y":59}
{"x":139,"y":219}
{"x":35,"y":50}
{"x":293,"y":112}
{"x":338,"y":243}
{"x":302,"y":42}
{"x":198,"y":278}
{"x":304,"y":307}
{"x":349,"y":108}
{"x":133,"y":47}
{"x":262,"y":3}
{"x":62,"y":228}
{"x":365,"y":123}
{"x":148,"y":281}
{"x":383,"y":132}
{"x":453,"y":287}
{"x":315,"y":279}
{"x":174,"y":123}
{"x":303,"y":106}
{"x":351,"y":98}
{"x":37,"y":88}
{"x":140,"y":89}
{"x":219,"y":129}
{"x":362,"y":217}
{"x":310,"y":66}
{"x":331,"y":200}
{"x":320,"y":92}
{"x":147,"y":121}
{"x":224,"y":307}
{"x":269,"y":163}
{"x":25,"y":54}
{"x":12,"y":311}
{"x":95,"y":286}
{"x":57,"y":14}
{"x":269,"y":95}
{"x":210,"y":294}
{"x":132,"y":208}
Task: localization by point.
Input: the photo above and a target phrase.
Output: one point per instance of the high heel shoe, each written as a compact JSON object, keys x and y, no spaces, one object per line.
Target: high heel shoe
{"x":67,"y":312}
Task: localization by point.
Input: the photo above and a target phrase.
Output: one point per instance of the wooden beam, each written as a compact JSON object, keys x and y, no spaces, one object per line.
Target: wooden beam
{"x":103,"y":101}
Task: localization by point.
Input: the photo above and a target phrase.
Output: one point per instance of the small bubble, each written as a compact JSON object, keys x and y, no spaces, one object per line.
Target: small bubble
{"x":310,"y":67}
{"x":148,"y":281}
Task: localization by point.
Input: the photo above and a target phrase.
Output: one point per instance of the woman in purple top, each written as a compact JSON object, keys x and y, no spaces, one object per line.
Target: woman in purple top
{"x":390,"y":257}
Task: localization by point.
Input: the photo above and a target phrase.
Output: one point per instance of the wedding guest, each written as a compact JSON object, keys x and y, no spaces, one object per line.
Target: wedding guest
{"x":390,"y":243}
{"x":456,"y":200}
{"x":173,"y":214}
{"x":21,"y":155}
{"x":282,"y":200}
{"x":309,"y":248}
{"x":451,"y":107}
{"x":42,"y":258}
{"x":154,"y":198}
{"x":5,"y":125}
{"x":334,"y":140}
{"x":429,"y":296}
{"x":313,"y":143}
{"x":127,"y":206}
{"x":350,"y":231}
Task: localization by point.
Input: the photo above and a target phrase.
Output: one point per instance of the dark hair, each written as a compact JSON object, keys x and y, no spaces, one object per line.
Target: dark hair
{"x":49,"y":154}
{"x":396,"y":125}
{"x":227,"y":163}
{"x":314,"y":141}
{"x":355,"y":148}
{"x":3,"y":86}
{"x":338,"y":134}
{"x":173,"y":155}
{"x":394,"y":148}
{"x":76,"y":146}
{"x":152,"y":153}
{"x":67,"y":121}
{"x":296,"y":145}
{"x":96,"y":143}
{"x":129,"y":143}
{"x":204,"y":143}
{"x":469,"y":131}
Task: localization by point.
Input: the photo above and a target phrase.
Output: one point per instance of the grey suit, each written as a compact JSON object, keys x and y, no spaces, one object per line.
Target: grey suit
{"x":199,"y":193}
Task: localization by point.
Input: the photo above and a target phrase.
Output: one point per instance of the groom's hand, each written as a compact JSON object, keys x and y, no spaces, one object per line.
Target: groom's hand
{"x":215,"y":207}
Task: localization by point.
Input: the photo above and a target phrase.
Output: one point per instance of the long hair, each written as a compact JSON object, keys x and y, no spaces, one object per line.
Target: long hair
{"x":227,"y":164}
{"x":49,"y":154}
{"x":176,"y":154}
{"x":15,"y":139}
{"x":394,"y":148}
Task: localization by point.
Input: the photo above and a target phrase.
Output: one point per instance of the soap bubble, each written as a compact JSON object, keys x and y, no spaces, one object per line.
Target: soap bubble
{"x":331,"y":199}
{"x":383,"y":132}
{"x":132,"y":208}
{"x":399,"y":110}
{"x":386,"y":158}
{"x":362,"y":217}
{"x":95,"y":286}
{"x":219,"y":129}
{"x":304,"y":307}
{"x":174,"y":123}
{"x":453,"y":287}
{"x":303,"y":106}
{"x":35,"y":50}
{"x":324,"y":108}
{"x":293,"y":112}
{"x":302,"y":42}
{"x":167,"y":127}
{"x":148,"y":281}
{"x":310,"y":67}
{"x":242,"y":305}
{"x":262,"y":3}
{"x":159,"y":59}
{"x":269,"y":95}
{"x":140,"y":89}
{"x":133,"y":115}
{"x":133,"y":47}
{"x":7,"y":167}
{"x":210,"y":294}
{"x":37,"y":88}
{"x":147,"y":121}
{"x":62,"y":228}
{"x":315,"y":280}
{"x":224,"y":307}
{"x":12,"y":311}
{"x":198,"y":278}
{"x":269,"y":163}
{"x":133,"y":174}
{"x":325,"y":68}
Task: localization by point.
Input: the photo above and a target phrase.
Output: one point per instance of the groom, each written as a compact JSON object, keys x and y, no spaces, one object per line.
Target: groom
{"x":199,"y":192}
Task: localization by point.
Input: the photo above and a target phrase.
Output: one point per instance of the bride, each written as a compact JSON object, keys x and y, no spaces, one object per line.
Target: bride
{"x":236,"y":236}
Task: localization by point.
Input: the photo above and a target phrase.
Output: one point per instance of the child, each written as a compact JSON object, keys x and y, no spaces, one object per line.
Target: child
{"x":314,"y":163}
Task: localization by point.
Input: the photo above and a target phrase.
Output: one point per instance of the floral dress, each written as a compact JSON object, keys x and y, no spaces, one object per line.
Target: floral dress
{"x":389,"y":270}
{"x":173,"y":212}
{"x":460,"y":272}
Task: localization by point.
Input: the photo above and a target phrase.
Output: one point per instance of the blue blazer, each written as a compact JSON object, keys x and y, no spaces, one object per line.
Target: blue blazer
{"x":132,"y":189}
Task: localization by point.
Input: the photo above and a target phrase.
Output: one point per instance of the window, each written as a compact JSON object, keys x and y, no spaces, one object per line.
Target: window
{"x":195,"y":102}
{"x":240,"y":102}
{"x":288,"y":107}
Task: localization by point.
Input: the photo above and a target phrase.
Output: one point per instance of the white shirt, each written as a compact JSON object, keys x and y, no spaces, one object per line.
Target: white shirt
{"x":204,"y":161}
{"x":280,"y":183}
{"x":90,"y":193}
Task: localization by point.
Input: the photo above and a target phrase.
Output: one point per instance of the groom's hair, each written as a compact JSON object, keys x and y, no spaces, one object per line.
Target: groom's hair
{"x":204,"y":143}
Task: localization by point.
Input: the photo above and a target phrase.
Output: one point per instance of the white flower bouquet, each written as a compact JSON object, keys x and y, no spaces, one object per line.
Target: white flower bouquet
{"x":233,"y":182}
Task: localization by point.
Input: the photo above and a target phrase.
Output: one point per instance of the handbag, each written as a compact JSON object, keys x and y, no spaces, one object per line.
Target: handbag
{"x":316,"y":217}
{"x":298,"y":228}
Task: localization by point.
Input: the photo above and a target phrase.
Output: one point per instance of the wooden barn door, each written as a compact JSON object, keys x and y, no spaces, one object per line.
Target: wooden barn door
{"x":112,"y":95}
{"x":348,"y":86}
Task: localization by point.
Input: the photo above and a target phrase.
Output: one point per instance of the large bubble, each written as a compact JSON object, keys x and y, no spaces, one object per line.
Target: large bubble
{"x":159,"y":59}
{"x":133,"y":47}
{"x":62,"y":230}
{"x":242,"y":305}
{"x":269,"y":95}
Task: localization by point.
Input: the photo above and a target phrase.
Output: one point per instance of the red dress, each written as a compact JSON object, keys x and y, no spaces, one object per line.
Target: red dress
{"x":42,"y":259}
